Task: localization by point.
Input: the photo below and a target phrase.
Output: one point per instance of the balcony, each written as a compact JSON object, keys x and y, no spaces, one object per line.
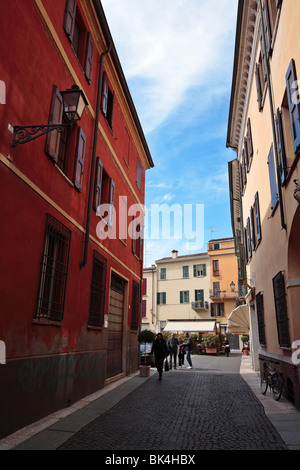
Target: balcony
{"x":200,"y":305}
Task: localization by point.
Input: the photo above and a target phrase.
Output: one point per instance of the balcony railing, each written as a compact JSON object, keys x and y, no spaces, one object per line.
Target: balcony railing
{"x":200,"y":305}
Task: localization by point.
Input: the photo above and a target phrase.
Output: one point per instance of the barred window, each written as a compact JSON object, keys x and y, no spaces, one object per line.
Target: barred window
{"x":97,"y":303}
{"x":135,"y":306}
{"x":54,"y":270}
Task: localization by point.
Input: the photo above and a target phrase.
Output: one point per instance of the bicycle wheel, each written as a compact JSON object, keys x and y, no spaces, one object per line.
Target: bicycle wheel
{"x":264,"y":382}
{"x":277,"y":386}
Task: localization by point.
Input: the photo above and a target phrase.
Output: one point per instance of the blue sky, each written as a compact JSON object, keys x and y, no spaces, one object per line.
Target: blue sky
{"x":177,"y":57}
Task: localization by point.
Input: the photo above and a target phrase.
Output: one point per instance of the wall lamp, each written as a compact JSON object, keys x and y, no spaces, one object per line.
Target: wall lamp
{"x":73,"y":104}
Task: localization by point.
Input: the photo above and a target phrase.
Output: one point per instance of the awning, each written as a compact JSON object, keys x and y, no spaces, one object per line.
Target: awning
{"x":238,"y":321}
{"x":190,"y":325}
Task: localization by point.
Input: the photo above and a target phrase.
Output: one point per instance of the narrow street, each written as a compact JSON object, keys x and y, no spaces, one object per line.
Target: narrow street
{"x":209,"y":407}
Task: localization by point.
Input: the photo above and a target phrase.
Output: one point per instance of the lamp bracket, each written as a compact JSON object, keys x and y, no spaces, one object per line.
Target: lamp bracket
{"x":24,"y":134}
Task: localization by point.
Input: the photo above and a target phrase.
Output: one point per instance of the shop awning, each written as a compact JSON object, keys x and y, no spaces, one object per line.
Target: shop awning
{"x":190,"y":325}
{"x":238,"y":321}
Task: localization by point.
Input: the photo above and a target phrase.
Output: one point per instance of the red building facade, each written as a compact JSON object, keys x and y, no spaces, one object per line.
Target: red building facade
{"x":70,"y":288}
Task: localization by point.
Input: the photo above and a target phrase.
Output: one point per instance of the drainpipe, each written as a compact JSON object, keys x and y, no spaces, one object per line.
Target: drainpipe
{"x":283,"y":224}
{"x":92,"y":175}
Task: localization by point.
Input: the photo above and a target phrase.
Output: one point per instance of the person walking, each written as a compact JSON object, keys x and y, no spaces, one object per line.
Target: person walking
{"x":181,"y":352}
{"x":160,"y":351}
{"x":188,"y":346}
{"x":172,"y":345}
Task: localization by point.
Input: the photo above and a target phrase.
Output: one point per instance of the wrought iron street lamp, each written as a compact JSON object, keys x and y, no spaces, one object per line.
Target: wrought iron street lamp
{"x":74,"y":104}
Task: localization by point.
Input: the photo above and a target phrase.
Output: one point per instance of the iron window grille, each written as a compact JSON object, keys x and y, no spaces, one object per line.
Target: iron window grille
{"x":54,"y":271}
{"x":97,"y":303}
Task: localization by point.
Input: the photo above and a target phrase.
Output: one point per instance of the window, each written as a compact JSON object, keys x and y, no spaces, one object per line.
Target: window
{"x":78,"y":36}
{"x":54,"y":271}
{"x":137,"y":239}
{"x":144,"y":308}
{"x":216,"y":289}
{"x":260,"y":318}
{"x":98,"y":288}
{"x":163,"y":273}
{"x":184,"y":297}
{"x":281,"y":310}
{"x":217,"y":310}
{"x":199,"y":270}
{"x":161,"y":298}
{"x":185,"y":271}
{"x":248,"y":231}
{"x":199,"y":297}
{"x":135,"y":306}
{"x":257,"y":218}
{"x":107,"y":103}
{"x":253,"y":233}
{"x":104,"y":194}
{"x":216,"y":267}
{"x":273,"y":180}
{"x":66,"y":149}
{"x":293,"y":104}
{"x":144,"y":286}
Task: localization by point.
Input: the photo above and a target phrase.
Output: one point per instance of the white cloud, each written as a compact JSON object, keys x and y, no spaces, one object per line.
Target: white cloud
{"x":169,"y":47}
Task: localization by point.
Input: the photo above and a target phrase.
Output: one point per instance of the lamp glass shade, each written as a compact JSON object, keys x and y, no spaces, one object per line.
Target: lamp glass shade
{"x":74,"y":103}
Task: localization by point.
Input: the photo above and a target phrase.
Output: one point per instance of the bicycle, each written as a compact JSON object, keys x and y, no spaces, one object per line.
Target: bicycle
{"x":273,"y":379}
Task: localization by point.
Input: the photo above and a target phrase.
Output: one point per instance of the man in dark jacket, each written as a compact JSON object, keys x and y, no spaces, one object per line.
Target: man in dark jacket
{"x":188,"y":346}
{"x":160,"y":351}
{"x":173,"y":344}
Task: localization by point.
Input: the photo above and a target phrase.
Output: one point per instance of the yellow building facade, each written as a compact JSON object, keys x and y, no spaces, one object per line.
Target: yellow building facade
{"x":264,"y":132}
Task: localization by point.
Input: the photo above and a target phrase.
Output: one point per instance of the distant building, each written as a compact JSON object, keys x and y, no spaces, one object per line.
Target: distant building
{"x":264,"y":132}
{"x":191,"y":287}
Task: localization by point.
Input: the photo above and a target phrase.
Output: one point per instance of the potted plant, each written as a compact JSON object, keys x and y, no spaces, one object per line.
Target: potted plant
{"x":144,"y":337}
{"x":245,"y":349}
{"x":212,"y":343}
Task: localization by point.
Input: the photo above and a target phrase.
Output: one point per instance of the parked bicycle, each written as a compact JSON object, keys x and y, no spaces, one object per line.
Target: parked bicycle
{"x":273,"y":379}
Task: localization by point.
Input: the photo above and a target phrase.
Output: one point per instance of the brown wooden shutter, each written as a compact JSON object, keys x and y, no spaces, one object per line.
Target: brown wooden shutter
{"x":293,"y":100}
{"x":249,"y":239}
{"x":281,"y":310}
{"x":79,"y":159}
{"x":98,"y":183}
{"x":56,"y":112}
{"x":89,"y":58}
{"x":258,"y":87}
{"x":260,"y":318}
{"x":145,"y":286}
{"x":246,"y":153}
{"x":257,"y":217}
{"x":281,"y":146}
{"x":69,"y":19}
{"x":249,"y":139}
{"x":267,"y":25}
{"x":111,"y":201}
{"x":104,"y":94}
{"x":263,"y":59}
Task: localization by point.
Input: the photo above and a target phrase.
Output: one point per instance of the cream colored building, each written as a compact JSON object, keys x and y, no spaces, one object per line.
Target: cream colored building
{"x":264,"y":132}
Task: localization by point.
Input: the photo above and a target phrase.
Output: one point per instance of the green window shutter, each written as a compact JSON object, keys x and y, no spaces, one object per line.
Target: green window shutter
{"x":181,"y":297}
{"x":158,"y":298}
{"x":164,"y":298}
{"x":195,"y":270}
{"x":204,"y":269}
{"x":185,"y":271}
{"x":201,"y":294}
{"x":187,"y":296}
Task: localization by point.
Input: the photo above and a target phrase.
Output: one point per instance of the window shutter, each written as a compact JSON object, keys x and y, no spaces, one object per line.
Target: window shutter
{"x":88,"y":66}
{"x":258,"y":87}
{"x":246,"y":154}
{"x":104,"y":94}
{"x":260,"y":318}
{"x":244,"y":168}
{"x":133,"y":234}
{"x":195,"y":270}
{"x":164,"y":295}
{"x":145,"y":286}
{"x":263,"y":58}
{"x":272,"y":175}
{"x":79,"y":159}
{"x":158,"y":298}
{"x":111,"y":201}
{"x":69,"y":19}
{"x":98,"y":183}
{"x":181,"y":297}
{"x":246,"y":245}
{"x":252,"y":228}
{"x":257,"y":217}
{"x":204,"y":270}
{"x":293,"y":100}
{"x":249,"y":239}
{"x":268,"y":34}
{"x":56,"y":112}
{"x":249,"y":140}
{"x":281,"y":146}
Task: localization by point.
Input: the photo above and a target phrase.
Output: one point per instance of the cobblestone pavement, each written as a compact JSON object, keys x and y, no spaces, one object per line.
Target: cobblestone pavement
{"x":210,"y":407}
